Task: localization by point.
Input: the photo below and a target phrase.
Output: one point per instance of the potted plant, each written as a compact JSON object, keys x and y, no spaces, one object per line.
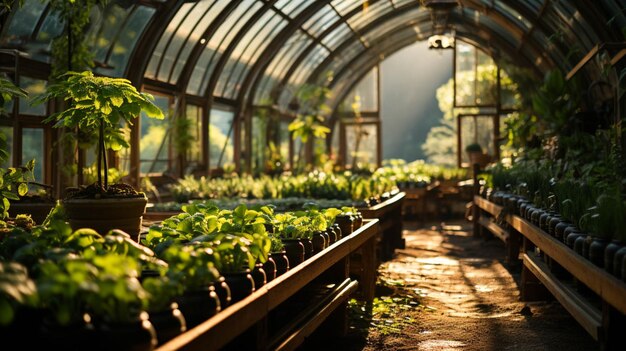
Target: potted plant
{"x":192,"y":267}
{"x":98,"y":106}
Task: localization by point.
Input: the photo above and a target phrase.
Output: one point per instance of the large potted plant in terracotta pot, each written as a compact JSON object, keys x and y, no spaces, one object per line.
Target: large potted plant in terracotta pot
{"x":98,"y":106}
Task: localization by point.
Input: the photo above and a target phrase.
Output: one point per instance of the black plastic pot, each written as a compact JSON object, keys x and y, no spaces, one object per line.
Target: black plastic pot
{"x":168,"y":323}
{"x":241,"y":285}
{"x":596,"y":250}
{"x":259,"y":276}
{"x":609,"y":253}
{"x":269,"y":267}
{"x":281,"y":261}
{"x":198,"y":305}
{"x":294,"y":249}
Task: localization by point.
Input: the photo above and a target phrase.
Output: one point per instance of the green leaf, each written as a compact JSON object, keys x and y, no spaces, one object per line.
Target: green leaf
{"x":22,"y":189}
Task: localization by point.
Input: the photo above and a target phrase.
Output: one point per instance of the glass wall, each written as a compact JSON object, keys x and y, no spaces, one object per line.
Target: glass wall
{"x":221,"y":144}
{"x":155,"y":139}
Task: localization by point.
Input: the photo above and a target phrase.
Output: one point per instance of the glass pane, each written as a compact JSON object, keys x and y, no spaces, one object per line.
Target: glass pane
{"x":154,"y":144}
{"x":127,"y":40}
{"x":344,"y":6}
{"x":221,"y":138}
{"x":33,"y":148}
{"x":368,"y":14}
{"x":476,"y":129}
{"x":247,"y":51}
{"x":465,"y":75}
{"x":362,"y":145}
{"x":180,"y":38}
{"x":33,"y":87}
{"x":206,"y":19}
{"x":320,"y":21}
{"x":23,"y":22}
{"x":259,"y":142}
{"x":8,"y":135}
{"x":292,"y":7}
{"x":112,"y":22}
{"x":284,"y":141}
{"x":225,"y":34}
{"x":157,"y":54}
{"x":337,"y":36}
{"x":367,"y":92}
{"x":194,"y":115}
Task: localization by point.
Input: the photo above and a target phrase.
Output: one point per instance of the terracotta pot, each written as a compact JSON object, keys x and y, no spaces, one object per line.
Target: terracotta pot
{"x":103,"y":215}
{"x":241,"y":285}
{"x":38,"y":211}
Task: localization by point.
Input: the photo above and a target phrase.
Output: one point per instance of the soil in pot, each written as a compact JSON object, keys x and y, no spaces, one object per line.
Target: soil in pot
{"x":118,"y":207}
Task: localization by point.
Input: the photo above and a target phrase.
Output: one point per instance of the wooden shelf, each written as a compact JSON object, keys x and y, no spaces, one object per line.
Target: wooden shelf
{"x":226,"y":325}
{"x":608,"y":287}
{"x":495,"y":229}
{"x":588,"y":315}
{"x":601,"y":312}
{"x":487,"y":206}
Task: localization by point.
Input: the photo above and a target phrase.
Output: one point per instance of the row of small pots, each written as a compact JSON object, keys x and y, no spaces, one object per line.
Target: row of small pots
{"x":607,"y":254}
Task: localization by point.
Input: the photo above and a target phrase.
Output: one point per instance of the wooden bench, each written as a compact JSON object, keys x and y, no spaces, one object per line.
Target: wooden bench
{"x":258,"y":322}
{"x":552,"y":269}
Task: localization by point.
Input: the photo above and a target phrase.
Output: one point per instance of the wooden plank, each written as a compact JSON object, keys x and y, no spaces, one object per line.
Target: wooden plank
{"x":495,"y":229}
{"x":608,"y":287}
{"x":298,"y":336}
{"x":220,"y":329}
{"x":589,"y":317}
{"x":225,"y":326}
{"x":380,"y":209}
{"x":487,"y":206}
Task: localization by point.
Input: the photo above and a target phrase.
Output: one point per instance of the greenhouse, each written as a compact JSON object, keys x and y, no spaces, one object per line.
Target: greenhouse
{"x":312,"y":175}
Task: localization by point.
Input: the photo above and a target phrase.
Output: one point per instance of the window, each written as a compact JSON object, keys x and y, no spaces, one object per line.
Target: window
{"x":221,"y":145}
{"x":154,"y":145}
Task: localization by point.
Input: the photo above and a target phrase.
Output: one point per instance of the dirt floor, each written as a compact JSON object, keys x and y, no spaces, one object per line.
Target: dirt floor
{"x":450,"y":291}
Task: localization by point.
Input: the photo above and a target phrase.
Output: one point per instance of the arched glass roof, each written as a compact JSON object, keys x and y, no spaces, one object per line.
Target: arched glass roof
{"x":256,"y":52}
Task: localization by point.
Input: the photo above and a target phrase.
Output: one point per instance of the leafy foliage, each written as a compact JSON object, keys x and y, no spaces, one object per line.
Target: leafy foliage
{"x":96,"y":105}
